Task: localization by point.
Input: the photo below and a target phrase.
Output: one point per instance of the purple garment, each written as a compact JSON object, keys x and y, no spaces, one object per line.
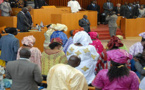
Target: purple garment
{"x":136,"y":48}
{"x":130,"y":82}
{"x":69,"y":42}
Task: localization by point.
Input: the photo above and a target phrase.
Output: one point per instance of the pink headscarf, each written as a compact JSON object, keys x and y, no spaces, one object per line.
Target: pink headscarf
{"x":59,"y":40}
{"x":118,"y":56}
{"x":93,"y":35}
{"x":29,"y":40}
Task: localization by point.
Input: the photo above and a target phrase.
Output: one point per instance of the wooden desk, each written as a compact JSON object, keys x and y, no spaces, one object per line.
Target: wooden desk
{"x":119,"y":21}
{"x":8,"y":21}
{"x":38,"y":35}
{"x":132,"y":27}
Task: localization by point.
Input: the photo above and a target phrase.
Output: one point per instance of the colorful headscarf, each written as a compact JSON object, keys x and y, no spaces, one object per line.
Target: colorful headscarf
{"x":118,"y":56}
{"x":142,"y":35}
{"x":60,"y":27}
{"x":93,"y":35}
{"x":82,"y":37}
{"x":29,"y":40}
{"x":57,"y":40}
{"x":115,"y":41}
{"x":75,"y":31}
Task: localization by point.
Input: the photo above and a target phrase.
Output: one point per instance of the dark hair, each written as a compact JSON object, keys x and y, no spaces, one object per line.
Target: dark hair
{"x":25,"y":53}
{"x":71,"y":32}
{"x":48,"y":25}
{"x":140,"y":58}
{"x":117,"y":72}
{"x":12,"y":30}
{"x":54,"y":44}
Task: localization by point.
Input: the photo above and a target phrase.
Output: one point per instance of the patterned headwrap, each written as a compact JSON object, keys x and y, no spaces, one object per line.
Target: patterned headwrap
{"x":29,"y":40}
{"x":142,"y":35}
{"x":93,"y":35}
{"x":114,"y":41}
{"x":75,"y":31}
{"x":57,"y":40}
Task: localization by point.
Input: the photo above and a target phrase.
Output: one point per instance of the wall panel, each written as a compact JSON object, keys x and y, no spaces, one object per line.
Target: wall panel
{"x":85,"y":3}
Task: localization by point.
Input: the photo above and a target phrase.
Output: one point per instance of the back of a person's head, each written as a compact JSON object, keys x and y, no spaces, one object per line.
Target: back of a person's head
{"x":25,"y":53}
{"x":117,"y":70}
{"x":71,"y":32}
{"x":74,"y":61}
{"x":13,"y":31}
{"x":54,"y":44}
{"x":24,"y":9}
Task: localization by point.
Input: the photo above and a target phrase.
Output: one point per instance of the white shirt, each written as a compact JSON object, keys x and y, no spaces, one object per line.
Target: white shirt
{"x":75,"y":6}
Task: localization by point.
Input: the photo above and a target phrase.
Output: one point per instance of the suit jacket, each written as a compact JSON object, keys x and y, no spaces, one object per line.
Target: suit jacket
{"x":25,"y":75}
{"x":112,"y":20}
{"x":119,"y":11}
{"x":83,"y":23}
{"x":96,"y":8}
{"x":22,"y":22}
{"x":28,"y":15}
{"x":5,"y":9}
{"x":105,"y":7}
{"x":129,"y":13}
{"x":39,"y":3}
{"x":9,"y":46}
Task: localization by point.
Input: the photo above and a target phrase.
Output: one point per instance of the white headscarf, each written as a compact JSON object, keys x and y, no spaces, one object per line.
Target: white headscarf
{"x":60,"y":27}
{"x":83,"y":38}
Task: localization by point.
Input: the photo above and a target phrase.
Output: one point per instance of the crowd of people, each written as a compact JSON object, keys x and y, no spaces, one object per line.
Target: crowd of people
{"x":74,"y":63}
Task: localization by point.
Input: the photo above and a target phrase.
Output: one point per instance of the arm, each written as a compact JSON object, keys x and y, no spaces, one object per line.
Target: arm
{"x":108,"y":18}
{"x":37,"y":74}
{"x":16,"y":45}
{"x":81,"y":23}
{"x":139,"y":68}
{"x":23,"y":19}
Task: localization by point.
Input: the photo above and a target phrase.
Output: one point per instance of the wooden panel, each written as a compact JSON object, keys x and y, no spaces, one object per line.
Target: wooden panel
{"x":16,"y":11}
{"x":85,"y":3}
{"x":8,"y":21}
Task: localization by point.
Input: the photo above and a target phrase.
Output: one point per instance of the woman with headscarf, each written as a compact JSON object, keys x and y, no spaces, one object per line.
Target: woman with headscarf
{"x":96,"y":42}
{"x":53,"y":55}
{"x":28,"y":42}
{"x":118,"y":77}
{"x":59,"y":32}
{"x":86,"y":52}
{"x":124,"y":46}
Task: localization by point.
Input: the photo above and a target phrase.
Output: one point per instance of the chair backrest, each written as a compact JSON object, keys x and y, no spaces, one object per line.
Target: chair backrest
{"x":2,"y":29}
{"x":91,"y":88}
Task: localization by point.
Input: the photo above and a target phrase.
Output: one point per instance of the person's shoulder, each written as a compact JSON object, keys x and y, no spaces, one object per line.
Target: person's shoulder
{"x":12,"y":62}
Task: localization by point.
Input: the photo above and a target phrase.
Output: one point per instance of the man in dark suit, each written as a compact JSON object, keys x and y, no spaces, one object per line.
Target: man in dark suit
{"x":39,"y":3}
{"x":22,"y":21}
{"x":25,"y":75}
{"x":84,"y":22}
{"x":28,"y":15}
{"x":118,"y":9}
{"x":129,"y":11}
{"x":9,"y":46}
{"x":93,"y":6}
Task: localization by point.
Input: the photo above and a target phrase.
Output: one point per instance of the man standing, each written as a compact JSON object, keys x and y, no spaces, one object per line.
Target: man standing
{"x":22,"y":21}
{"x":118,"y":9}
{"x":93,"y":6}
{"x":66,"y":77}
{"x":129,"y":11}
{"x":112,"y":18}
{"x":24,"y":74}
{"x":28,"y":15}
{"x":9,"y":46}
{"x":74,"y":5}
{"x":84,"y":22}
{"x":6,"y":8}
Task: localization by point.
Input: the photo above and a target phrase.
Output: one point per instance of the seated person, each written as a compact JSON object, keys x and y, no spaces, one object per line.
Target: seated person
{"x":52,"y":56}
{"x":66,"y":77}
{"x":141,"y":11}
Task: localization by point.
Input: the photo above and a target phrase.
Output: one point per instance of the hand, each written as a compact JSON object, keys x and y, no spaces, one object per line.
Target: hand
{"x":135,"y":59}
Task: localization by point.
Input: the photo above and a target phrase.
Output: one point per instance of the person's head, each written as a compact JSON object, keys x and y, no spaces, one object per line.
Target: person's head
{"x":118,"y":59}
{"x":94,"y":2}
{"x":118,"y":5}
{"x":13,"y":31}
{"x":25,"y":53}
{"x":142,"y":6}
{"x":143,"y":39}
{"x":55,"y":45}
{"x":29,"y":8}
{"x":108,"y":0}
{"x":59,"y":40}
{"x":93,"y":35}
{"x":48,"y":26}
{"x":24,"y":9}
{"x":137,"y":2}
{"x":74,"y":61}
{"x":71,"y":32}
{"x":60,"y":27}
{"x":85,"y":17}
{"x":28,"y":41}
{"x":126,"y":3}
{"x":114,"y":43}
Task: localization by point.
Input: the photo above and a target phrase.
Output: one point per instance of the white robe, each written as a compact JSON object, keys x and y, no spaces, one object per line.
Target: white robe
{"x":75,"y":6}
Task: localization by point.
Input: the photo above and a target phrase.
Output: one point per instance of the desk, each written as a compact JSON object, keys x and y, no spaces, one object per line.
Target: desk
{"x":119,"y":21}
{"x":8,"y":21}
{"x":132,"y":27}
